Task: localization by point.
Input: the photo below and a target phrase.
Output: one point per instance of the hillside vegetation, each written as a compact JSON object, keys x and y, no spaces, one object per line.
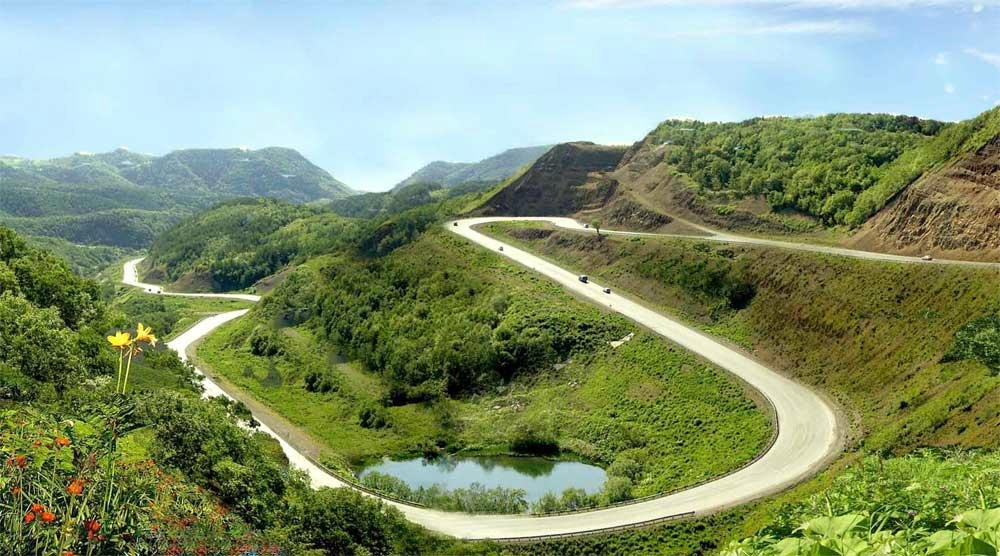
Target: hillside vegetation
{"x":126,"y":199}
{"x":873,"y":335}
{"x":414,"y":341}
{"x":242,"y":241}
{"x":817,"y":166}
{"x":94,"y":464}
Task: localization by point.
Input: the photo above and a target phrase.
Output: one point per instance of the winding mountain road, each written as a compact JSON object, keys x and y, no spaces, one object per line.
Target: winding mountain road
{"x":808,"y":434}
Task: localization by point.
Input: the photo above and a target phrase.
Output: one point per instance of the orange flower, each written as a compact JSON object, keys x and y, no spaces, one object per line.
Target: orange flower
{"x":67,"y":553}
{"x":76,"y":487}
{"x":36,"y":507}
{"x":29,"y":517}
{"x":15,"y":490}
{"x":61,"y":441}
{"x":92,"y":526}
{"x":48,"y":517}
{"x":18,"y":461}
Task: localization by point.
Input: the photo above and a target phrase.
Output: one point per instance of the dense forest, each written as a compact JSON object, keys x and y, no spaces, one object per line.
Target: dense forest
{"x":839,"y":168}
{"x":814,"y":165}
{"x":432,"y":326}
{"x":241,"y":241}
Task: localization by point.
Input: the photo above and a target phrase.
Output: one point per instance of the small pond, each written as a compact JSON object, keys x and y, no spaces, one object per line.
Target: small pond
{"x":535,"y":475}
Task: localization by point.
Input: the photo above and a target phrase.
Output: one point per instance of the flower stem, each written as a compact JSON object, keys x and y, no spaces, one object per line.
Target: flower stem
{"x":118,"y":385}
{"x":127,"y":369}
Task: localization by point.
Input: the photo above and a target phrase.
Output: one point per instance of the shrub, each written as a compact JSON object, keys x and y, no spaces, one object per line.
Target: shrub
{"x":373,"y":417}
{"x":978,"y":340}
{"x":322,"y":381}
{"x":617,"y":489}
{"x":264,"y":342}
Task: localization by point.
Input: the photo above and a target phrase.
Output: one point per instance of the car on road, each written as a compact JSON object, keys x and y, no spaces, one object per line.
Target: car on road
{"x":584,"y":278}
{"x":455,"y":224}
{"x":607,"y":290}
{"x":501,"y":248}
{"x":927,"y":258}
{"x":586,"y":225}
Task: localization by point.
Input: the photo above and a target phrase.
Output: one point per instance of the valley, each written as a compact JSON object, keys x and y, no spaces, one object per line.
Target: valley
{"x":731,"y":358}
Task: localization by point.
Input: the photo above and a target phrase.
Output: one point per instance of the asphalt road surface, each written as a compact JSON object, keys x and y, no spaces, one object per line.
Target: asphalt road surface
{"x":808,"y":434}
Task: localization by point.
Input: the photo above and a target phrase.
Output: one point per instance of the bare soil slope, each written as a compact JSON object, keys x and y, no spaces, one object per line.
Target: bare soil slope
{"x":953,"y":212}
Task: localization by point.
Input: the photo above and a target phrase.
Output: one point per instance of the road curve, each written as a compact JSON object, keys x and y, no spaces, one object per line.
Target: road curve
{"x":808,"y":432}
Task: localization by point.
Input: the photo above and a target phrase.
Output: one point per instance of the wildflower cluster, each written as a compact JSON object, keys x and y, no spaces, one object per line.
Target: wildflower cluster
{"x":53,"y":485}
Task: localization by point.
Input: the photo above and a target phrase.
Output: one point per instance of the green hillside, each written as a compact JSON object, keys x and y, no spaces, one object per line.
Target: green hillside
{"x":953,"y":141}
{"x":239,"y":242}
{"x":125,"y":199}
{"x":148,"y":468}
{"x":817,"y":166}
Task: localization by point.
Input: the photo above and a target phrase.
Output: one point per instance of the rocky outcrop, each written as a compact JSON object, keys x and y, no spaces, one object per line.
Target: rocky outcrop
{"x":951,"y":212}
{"x":569,"y":178}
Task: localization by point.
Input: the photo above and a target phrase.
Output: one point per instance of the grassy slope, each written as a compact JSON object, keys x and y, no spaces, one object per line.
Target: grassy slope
{"x":870,"y":334}
{"x":685,"y":420}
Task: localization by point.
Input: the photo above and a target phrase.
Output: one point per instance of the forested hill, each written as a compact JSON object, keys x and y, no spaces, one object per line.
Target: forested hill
{"x":817,"y":166}
{"x":125,"y":199}
{"x":773,"y":174}
{"x":489,"y":170}
{"x":239,"y":242}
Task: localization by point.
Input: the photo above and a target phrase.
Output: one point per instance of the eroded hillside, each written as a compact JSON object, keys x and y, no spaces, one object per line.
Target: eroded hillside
{"x":953,"y":212}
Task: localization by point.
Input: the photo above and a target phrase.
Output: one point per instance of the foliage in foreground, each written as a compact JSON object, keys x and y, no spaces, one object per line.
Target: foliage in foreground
{"x":925,"y":503}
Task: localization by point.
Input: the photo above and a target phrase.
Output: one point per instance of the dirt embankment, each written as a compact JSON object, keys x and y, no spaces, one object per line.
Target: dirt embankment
{"x":569,"y":178}
{"x":952,"y":212}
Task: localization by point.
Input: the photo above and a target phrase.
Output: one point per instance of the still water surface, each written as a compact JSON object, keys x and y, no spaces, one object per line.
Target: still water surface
{"x":535,"y":475}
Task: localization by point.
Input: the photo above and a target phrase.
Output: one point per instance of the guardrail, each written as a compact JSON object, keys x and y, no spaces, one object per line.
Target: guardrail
{"x":599,"y":531}
{"x":351,"y":482}
{"x":761,"y":454}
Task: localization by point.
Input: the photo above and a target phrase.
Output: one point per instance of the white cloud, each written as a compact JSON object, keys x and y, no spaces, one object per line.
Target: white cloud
{"x":941,"y":59}
{"x":803,"y":27}
{"x":829,"y":4}
{"x":949,"y":88}
{"x":991,"y":58}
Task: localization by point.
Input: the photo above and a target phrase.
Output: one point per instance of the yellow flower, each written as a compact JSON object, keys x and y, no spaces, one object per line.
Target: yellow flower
{"x":120,"y":340}
{"x":145,"y":334}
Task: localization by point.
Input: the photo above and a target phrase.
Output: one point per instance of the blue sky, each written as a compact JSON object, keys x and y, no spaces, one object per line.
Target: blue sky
{"x":371,"y":91}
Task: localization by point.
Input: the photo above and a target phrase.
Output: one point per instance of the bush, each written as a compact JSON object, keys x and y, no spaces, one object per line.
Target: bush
{"x":373,"y":417}
{"x":475,"y":499}
{"x":322,"y":381}
{"x":264,"y":342}
{"x":617,"y":489}
{"x":978,"y":340}
{"x":626,"y":467}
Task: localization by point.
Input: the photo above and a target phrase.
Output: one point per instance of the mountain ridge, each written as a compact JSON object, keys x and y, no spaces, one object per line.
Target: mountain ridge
{"x":491,"y":169}
{"x":81,"y":197}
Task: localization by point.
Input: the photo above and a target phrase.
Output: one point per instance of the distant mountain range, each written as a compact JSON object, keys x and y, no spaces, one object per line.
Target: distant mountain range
{"x":124,"y":198}
{"x":493,"y":169}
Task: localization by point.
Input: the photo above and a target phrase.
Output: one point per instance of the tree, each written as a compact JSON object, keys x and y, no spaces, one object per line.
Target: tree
{"x":341,"y":521}
{"x":596,"y":225}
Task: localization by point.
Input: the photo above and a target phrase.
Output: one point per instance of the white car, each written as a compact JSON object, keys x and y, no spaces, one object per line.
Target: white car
{"x":607,"y":290}
{"x":927,"y":258}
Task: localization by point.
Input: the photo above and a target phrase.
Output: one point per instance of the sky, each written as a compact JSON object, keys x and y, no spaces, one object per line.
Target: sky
{"x":371,"y":91}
